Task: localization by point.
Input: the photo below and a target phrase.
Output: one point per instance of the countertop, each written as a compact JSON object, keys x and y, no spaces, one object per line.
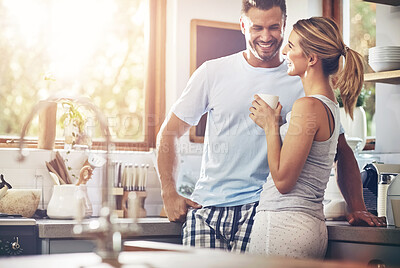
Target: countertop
{"x":151,"y":227}
{"x":343,"y":231}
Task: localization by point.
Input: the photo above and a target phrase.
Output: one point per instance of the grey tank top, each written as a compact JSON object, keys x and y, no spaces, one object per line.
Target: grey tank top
{"x":308,"y":192}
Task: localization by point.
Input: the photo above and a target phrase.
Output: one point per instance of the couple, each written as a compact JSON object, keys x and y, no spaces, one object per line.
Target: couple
{"x":250,"y":198}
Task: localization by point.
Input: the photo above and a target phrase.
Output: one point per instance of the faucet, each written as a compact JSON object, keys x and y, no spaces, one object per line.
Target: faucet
{"x":105,"y":229}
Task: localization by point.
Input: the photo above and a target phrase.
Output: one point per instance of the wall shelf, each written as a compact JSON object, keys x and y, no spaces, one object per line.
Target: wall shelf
{"x":386,"y":2}
{"x":389,"y":77}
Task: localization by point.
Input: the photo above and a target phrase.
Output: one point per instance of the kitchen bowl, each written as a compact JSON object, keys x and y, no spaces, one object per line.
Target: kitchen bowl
{"x":20,"y":201}
{"x":379,"y":66}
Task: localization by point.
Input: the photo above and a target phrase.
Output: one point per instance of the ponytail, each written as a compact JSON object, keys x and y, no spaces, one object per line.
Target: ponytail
{"x":350,"y":80}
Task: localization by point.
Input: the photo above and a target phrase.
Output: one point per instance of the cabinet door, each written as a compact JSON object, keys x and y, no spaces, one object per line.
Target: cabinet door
{"x":364,"y":253}
{"x":57,"y":246}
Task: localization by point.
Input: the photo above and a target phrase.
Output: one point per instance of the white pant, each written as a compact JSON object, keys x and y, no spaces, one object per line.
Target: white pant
{"x":288,"y":234}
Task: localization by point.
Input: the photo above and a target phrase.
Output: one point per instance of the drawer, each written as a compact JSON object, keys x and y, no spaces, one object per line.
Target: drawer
{"x":364,"y":253}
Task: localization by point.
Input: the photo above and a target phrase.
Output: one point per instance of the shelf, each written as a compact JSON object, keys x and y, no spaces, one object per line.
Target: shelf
{"x":389,"y":77}
{"x":385,"y":2}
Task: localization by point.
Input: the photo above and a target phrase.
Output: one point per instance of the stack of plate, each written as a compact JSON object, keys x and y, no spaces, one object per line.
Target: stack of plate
{"x":384,"y":58}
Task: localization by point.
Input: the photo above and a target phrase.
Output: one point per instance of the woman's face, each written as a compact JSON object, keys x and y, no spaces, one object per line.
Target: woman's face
{"x":297,"y":61}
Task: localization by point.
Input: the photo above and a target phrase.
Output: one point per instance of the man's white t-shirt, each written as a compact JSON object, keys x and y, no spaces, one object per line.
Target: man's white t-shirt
{"x":234,"y":163}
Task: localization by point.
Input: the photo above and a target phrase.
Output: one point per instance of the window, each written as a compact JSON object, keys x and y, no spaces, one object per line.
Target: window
{"x":108,"y":50}
{"x":359,"y":31}
{"x":357,"y":20}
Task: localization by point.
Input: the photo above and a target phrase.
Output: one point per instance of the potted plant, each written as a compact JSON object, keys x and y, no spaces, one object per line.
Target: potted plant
{"x":73,"y":121}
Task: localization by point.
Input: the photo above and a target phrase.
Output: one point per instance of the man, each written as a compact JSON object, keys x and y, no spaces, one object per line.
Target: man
{"x":226,"y":195}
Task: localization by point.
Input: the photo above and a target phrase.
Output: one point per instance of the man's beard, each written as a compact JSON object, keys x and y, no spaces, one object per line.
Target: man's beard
{"x":267,"y":57}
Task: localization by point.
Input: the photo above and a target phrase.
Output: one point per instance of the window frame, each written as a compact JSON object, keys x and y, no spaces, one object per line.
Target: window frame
{"x":154,"y":97}
{"x":333,"y":9}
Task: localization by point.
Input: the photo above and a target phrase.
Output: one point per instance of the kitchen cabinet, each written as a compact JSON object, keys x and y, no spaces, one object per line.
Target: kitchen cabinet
{"x":390,"y":77}
{"x":57,"y":246}
{"x":364,"y":253}
{"x":365,"y":245}
{"x":62,"y":246}
{"x":56,"y":236}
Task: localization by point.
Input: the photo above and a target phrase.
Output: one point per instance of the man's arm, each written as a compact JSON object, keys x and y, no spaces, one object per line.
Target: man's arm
{"x":175,"y":205}
{"x":349,"y":181}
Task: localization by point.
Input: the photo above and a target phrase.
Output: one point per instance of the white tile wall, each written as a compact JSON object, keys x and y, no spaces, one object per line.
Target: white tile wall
{"x":32,"y":173}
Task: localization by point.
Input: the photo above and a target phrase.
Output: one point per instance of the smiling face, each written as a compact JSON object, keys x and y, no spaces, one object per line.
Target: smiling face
{"x":297,"y":60}
{"x":263,"y":30}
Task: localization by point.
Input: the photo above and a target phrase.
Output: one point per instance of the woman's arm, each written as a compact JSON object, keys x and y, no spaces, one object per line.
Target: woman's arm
{"x":287,"y":160}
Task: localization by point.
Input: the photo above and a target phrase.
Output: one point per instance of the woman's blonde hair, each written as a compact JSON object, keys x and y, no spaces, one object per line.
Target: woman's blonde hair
{"x":321,"y":36}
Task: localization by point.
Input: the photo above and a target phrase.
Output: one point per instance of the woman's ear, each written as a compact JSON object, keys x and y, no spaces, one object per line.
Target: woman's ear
{"x":312,"y":59}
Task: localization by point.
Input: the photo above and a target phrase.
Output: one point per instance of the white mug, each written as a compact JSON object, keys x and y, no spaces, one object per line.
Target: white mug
{"x":271,"y":100}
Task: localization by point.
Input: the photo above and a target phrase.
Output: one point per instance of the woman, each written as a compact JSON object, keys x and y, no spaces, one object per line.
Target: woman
{"x":290,"y":220}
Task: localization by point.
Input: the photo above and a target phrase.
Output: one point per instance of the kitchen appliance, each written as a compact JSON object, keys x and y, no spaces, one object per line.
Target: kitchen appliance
{"x":377,"y":178}
{"x":18,"y":235}
{"x":386,"y":173}
{"x":369,"y":179}
{"x":385,"y":179}
{"x":335,"y":207}
{"x":4,"y":186}
{"x":393,"y":192}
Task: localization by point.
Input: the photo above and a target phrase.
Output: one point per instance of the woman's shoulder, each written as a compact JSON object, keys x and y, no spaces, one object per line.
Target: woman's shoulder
{"x":306,"y":104}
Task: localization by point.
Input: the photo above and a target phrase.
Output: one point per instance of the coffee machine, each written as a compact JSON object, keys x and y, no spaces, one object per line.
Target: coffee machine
{"x":381,"y":183}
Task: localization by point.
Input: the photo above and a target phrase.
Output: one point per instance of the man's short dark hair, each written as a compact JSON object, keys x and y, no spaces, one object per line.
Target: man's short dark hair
{"x":264,"y":5}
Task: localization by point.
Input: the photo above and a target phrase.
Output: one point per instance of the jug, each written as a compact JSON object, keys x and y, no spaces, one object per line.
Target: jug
{"x":69,"y":201}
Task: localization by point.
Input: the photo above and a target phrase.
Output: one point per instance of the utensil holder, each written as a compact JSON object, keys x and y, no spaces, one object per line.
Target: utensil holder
{"x":141,"y":195}
{"x":69,"y":201}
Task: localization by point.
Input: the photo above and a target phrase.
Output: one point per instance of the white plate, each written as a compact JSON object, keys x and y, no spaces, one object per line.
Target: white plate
{"x":384,"y":55}
{"x":384,"y":60}
{"x":391,"y":48}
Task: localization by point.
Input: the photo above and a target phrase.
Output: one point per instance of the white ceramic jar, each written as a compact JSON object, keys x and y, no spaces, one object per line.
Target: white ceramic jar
{"x":356,"y":127}
{"x":68,"y":202}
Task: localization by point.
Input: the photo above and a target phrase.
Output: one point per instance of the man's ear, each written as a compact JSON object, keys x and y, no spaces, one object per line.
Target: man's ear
{"x":242,"y":23}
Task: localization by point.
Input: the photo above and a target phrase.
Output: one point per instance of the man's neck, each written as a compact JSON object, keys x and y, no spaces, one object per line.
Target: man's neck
{"x":253,"y":61}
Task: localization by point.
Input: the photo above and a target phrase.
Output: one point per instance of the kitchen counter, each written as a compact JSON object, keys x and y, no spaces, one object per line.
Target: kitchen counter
{"x":346,"y":243}
{"x":158,"y":227}
{"x":149,"y":227}
{"x":343,"y":231}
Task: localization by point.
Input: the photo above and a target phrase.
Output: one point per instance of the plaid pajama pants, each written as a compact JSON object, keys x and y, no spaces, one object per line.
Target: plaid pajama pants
{"x":220,"y":227}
